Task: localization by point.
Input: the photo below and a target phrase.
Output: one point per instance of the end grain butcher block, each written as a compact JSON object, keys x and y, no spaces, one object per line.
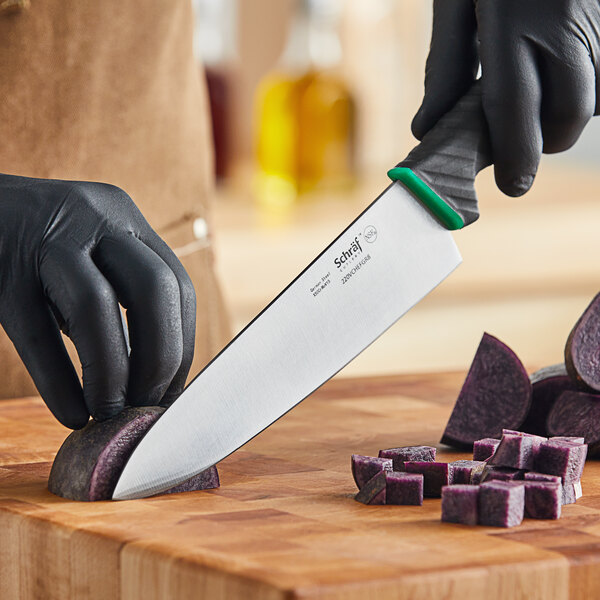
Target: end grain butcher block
{"x":284,"y":523}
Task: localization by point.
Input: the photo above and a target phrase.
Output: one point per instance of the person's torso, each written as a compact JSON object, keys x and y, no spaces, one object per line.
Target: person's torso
{"x":107,"y":91}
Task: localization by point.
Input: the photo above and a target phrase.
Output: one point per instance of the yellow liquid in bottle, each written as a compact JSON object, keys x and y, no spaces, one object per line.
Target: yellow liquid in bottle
{"x":326,"y":118}
{"x":305,"y":135}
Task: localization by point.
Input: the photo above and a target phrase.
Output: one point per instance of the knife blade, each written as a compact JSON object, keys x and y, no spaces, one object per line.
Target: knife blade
{"x":380,"y":266}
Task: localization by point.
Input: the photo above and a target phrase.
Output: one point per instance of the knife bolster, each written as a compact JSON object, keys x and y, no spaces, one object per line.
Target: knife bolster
{"x":441,"y":210}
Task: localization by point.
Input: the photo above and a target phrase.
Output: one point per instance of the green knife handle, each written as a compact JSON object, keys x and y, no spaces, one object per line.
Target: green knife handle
{"x":446,"y":162}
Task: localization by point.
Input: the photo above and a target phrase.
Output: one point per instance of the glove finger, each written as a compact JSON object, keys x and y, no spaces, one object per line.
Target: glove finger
{"x":511,"y":96}
{"x":91,"y":315}
{"x":569,"y":96}
{"x":34,"y":332}
{"x":452,"y":63}
{"x":187,"y":296}
{"x":149,"y":290}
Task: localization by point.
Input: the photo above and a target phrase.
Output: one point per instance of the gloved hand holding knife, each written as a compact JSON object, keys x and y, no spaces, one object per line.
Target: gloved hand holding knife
{"x":540,"y":63}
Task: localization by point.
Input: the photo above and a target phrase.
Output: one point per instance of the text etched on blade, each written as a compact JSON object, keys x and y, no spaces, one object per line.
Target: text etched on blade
{"x":349,"y":261}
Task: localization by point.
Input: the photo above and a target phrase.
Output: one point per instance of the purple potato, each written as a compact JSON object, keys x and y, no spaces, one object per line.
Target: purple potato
{"x":460,"y":504}
{"x":501,"y":474}
{"x":571,"y":492}
{"x":582,"y":350}
{"x":547,"y":385}
{"x":400,"y":455}
{"x":569,"y":438}
{"x":535,"y":476}
{"x":364,"y":468}
{"x":374,"y":490}
{"x":477,"y":472}
{"x":436,"y":475}
{"x":516,"y":450}
{"x":485,"y":448}
{"x":501,"y":503}
{"x":404,"y":488}
{"x":495,"y":394}
{"x":90,"y":461}
{"x":577,"y":414}
{"x":565,"y":459}
{"x":462,"y":470}
{"x":543,"y":499}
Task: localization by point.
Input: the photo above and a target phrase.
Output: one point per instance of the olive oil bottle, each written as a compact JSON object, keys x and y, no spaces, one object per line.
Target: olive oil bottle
{"x":305,"y":112}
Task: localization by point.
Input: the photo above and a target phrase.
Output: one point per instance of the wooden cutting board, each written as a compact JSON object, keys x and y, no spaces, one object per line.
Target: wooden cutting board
{"x":284,"y":523}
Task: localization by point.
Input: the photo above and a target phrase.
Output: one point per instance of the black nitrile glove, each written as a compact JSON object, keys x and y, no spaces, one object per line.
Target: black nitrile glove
{"x":70,"y":252}
{"x":539,"y":63}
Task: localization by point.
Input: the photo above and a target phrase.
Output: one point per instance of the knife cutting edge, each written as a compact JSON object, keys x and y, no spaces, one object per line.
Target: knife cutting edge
{"x":382,"y":264}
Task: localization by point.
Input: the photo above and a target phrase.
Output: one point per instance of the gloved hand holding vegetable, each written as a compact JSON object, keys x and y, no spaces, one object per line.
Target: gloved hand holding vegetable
{"x":70,"y":253}
{"x":539,"y":61}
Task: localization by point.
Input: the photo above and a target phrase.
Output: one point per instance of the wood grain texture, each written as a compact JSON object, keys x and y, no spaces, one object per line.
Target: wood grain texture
{"x":284,"y":523}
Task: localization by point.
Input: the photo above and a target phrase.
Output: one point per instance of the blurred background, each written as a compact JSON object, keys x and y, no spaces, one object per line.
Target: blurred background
{"x":311,"y":103}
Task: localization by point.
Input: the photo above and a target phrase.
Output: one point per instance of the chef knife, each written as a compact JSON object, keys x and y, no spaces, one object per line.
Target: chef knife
{"x":382,"y":264}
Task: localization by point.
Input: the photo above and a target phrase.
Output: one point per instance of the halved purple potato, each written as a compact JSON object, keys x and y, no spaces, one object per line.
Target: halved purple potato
{"x":547,"y":385}
{"x":404,"y":488}
{"x":565,"y":459}
{"x":90,"y":461}
{"x":577,"y":414}
{"x":496,"y":394}
{"x":516,"y":450}
{"x":485,"y":448}
{"x":400,"y":455}
{"x":461,"y":470}
{"x":501,"y":503}
{"x":436,"y":475}
{"x":373,"y":491}
{"x":460,"y":504}
{"x":543,"y":499}
{"x":582,"y":350}
{"x":364,"y":468}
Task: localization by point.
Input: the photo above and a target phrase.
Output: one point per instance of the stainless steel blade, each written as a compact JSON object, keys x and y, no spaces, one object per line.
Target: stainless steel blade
{"x":391,"y":256}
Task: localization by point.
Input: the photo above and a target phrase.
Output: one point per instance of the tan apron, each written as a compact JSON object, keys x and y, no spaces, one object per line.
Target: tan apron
{"x":107,"y":90}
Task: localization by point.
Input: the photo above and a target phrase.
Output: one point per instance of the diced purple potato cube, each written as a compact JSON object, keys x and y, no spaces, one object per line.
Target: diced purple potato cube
{"x":581,"y":349}
{"x":364,"y":468}
{"x":577,"y":414}
{"x":404,"y":488}
{"x":578,"y":490}
{"x":415,"y":453}
{"x":485,"y":448}
{"x":535,"y":476}
{"x":460,"y":504}
{"x":566,"y":438}
{"x":516,"y":450}
{"x":436,"y":475}
{"x":501,"y":474}
{"x":496,"y":394}
{"x":547,"y":385}
{"x":501,"y":503}
{"x":461,"y":470}
{"x":90,"y":460}
{"x":543,"y":499}
{"x":374,"y":490}
{"x":561,"y":458}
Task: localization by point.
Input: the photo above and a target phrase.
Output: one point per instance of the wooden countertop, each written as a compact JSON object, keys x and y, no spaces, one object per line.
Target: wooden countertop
{"x":284,"y":523}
